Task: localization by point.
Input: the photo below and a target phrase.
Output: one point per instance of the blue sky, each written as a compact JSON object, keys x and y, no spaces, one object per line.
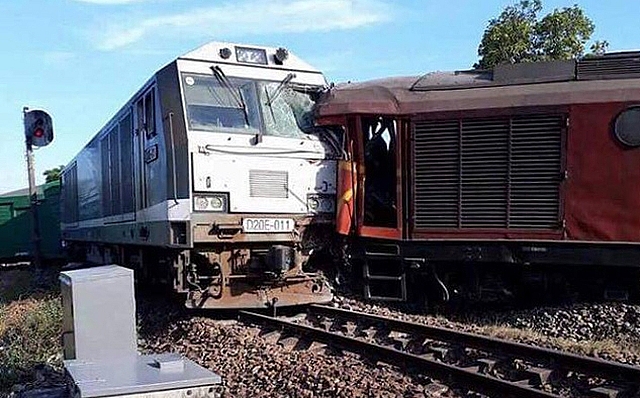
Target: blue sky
{"x":81,"y":59}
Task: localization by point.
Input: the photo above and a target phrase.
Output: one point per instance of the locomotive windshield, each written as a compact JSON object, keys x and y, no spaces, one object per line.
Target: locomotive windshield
{"x":288,"y":112}
{"x":213,"y":105}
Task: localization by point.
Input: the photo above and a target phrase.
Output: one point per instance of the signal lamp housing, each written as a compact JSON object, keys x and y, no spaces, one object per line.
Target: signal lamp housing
{"x":38,"y":128}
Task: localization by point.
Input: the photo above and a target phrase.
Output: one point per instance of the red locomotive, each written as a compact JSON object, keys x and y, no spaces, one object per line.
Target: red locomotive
{"x":470,"y":183}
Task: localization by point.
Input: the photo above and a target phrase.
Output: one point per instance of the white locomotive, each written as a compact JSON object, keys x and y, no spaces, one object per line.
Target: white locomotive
{"x":209,"y":178}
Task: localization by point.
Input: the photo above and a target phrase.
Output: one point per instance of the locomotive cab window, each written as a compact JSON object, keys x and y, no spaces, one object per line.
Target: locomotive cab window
{"x":380,"y":145}
{"x":288,"y":111}
{"x":213,"y":105}
{"x":627,"y":126}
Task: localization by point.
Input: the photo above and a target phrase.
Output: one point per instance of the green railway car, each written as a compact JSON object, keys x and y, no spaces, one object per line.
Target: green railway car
{"x":16,"y":223}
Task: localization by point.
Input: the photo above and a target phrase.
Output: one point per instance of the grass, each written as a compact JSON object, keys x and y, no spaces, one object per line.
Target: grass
{"x":605,"y":348}
{"x":30,"y":326}
{"x":585,"y":347}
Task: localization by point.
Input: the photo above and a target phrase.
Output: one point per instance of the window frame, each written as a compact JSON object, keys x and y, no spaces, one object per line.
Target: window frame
{"x":621,"y":139}
{"x":259,"y":129}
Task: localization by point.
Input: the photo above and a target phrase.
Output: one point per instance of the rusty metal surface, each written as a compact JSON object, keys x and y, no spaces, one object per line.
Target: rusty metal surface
{"x":263,"y":294}
{"x":613,"y":77}
{"x":232,"y":233}
{"x":228,"y":228}
{"x":232,"y":269}
{"x":392,"y":96}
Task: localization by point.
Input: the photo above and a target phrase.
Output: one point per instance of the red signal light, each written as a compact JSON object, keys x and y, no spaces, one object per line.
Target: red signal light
{"x":38,"y":128}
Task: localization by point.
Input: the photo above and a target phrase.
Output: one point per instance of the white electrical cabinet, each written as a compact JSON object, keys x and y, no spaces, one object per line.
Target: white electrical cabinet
{"x":99,"y":313}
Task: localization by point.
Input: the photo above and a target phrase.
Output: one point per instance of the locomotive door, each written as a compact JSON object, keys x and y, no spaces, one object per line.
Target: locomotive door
{"x":146,"y":148}
{"x":381,"y":206}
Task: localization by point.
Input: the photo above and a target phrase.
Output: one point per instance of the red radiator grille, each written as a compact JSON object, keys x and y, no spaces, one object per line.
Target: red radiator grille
{"x":489,"y":173}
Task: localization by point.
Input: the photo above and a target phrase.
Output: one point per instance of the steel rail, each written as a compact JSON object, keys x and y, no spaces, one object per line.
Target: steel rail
{"x":557,"y":358}
{"x":469,"y":378}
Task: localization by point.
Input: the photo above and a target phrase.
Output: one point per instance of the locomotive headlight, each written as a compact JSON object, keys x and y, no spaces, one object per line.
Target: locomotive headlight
{"x":321,"y":203}
{"x":200,"y":203}
{"x":313,"y":204}
{"x":217,"y":203}
{"x":213,"y":202}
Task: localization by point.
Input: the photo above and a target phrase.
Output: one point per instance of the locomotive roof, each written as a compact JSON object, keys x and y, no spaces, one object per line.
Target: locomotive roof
{"x":211,"y":52}
{"x":614,"y":77}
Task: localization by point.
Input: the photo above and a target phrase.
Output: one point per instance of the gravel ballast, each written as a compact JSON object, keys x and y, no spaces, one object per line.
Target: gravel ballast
{"x":255,"y":364}
{"x":604,"y":330}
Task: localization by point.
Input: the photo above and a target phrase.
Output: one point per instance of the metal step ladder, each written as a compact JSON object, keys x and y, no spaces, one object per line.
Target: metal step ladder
{"x":394,"y":283}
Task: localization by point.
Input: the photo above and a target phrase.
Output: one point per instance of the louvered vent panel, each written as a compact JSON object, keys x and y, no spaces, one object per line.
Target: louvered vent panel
{"x":608,"y":67}
{"x":485,"y":150}
{"x":436,"y":154}
{"x":535,"y":172}
{"x":268,"y":184}
{"x":488,"y":173}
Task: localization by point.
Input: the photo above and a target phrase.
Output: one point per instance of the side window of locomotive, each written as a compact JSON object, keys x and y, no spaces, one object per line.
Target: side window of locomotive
{"x":215,"y":106}
{"x":70,"y":194}
{"x":379,"y":142}
{"x":140,"y":116}
{"x":127,"y":167}
{"x":150,"y":115}
{"x":114,"y":167}
{"x":627,"y":126}
{"x":106,"y":176}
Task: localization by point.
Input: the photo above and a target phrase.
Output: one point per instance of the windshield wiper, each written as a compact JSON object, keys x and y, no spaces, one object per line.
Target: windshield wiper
{"x":283,"y":84}
{"x":237,"y":97}
{"x":273,"y":116}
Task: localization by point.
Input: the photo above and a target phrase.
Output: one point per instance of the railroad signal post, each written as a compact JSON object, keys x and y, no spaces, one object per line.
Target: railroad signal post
{"x":38,"y":132}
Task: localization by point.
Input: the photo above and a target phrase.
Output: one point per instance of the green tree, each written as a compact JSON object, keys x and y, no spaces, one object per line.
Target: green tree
{"x":599,"y":48}
{"x":562,"y":34}
{"x":509,"y":37}
{"x":518,"y":34}
{"x":53,"y":174}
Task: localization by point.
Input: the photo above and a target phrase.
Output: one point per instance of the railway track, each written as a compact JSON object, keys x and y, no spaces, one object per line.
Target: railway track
{"x":482,"y":364}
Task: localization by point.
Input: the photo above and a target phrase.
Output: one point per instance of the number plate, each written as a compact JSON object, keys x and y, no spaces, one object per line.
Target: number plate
{"x":268,"y":224}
